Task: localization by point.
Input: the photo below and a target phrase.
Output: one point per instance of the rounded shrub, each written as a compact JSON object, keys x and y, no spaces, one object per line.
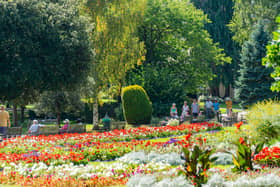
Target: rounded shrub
{"x":137,"y":106}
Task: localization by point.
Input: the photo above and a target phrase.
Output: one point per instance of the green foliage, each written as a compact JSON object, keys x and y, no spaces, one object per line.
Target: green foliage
{"x":44,"y":45}
{"x":265,"y":119}
{"x":136,"y":105}
{"x":180,"y":52}
{"x":220,"y":13}
{"x":57,"y":103}
{"x":272,"y":58}
{"x":254,"y":82}
{"x":247,"y":13}
{"x":117,"y":48}
{"x":243,"y":160}
{"x":197,"y":162}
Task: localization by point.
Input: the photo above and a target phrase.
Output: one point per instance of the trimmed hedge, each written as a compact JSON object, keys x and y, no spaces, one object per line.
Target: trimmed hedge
{"x":137,"y":106}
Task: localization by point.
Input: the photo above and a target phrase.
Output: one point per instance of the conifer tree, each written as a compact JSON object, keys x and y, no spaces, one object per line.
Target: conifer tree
{"x":254,"y":82}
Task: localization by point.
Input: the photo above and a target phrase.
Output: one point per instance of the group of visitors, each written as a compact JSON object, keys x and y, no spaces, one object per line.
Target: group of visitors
{"x":210,"y":109}
{"x":186,"y":111}
{"x":34,"y":128}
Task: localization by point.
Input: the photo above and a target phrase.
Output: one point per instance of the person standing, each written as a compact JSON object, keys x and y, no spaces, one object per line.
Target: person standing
{"x":208,"y":108}
{"x":229,"y":106}
{"x":4,"y":120}
{"x":185,"y":111}
{"x":216,"y":106}
{"x":195,"y":109}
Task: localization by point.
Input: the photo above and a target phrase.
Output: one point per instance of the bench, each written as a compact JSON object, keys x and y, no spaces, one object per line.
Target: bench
{"x":47,"y":130}
{"x":118,"y":125}
{"x":12,"y":132}
{"x":76,"y":128}
{"x":113,"y":125}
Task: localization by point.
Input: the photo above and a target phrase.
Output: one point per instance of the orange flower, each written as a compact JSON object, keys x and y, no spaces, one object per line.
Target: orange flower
{"x":241,"y":140}
{"x":238,"y":125}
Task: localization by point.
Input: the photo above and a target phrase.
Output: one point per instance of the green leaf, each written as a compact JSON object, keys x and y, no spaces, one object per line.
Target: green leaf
{"x":259,"y":147}
{"x":235,"y":162}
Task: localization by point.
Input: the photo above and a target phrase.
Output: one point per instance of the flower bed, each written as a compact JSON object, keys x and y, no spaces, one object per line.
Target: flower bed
{"x":66,"y":160}
{"x":81,"y":148}
{"x":269,"y":156}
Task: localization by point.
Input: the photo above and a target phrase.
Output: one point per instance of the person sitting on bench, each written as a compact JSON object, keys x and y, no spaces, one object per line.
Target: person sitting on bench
{"x":173,"y":111}
{"x":34,"y":128}
{"x":65,"y":126}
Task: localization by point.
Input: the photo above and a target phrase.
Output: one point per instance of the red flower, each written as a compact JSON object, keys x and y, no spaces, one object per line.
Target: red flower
{"x":238,"y":125}
{"x":241,"y":140}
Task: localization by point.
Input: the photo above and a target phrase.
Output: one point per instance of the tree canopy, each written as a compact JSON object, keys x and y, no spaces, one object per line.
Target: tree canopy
{"x":272,"y":58}
{"x":247,"y":13}
{"x":180,"y":52}
{"x":117,"y":48}
{"x":44,"y":45}
{"x":220,"y":13}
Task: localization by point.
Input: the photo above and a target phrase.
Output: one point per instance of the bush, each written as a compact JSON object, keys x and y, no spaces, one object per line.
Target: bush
{"x":265,"y":118}
{"x":137,"y":106}
{"x":173,"y":122}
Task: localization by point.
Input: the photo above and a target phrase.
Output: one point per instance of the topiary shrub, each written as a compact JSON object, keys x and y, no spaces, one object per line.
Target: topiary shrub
{"x":137,"y":106}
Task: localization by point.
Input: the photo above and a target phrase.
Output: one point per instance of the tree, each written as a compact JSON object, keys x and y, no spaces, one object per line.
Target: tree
{"x":272,"y":58}
{"x":180,"y":53}
{"x":254,"y":82}
{"x":117,"y":48}
{"x":44,"y":45}
{"x":247,"y":13}
{"x":59,"y":102}
{"x":220,"y":13}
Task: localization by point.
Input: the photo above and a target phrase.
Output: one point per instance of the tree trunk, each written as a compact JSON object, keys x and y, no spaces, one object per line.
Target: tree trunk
{"x":15,"y":117}
{"x":95,"y":114}
{"x":22,"y":108}
{"x":58,"y":118}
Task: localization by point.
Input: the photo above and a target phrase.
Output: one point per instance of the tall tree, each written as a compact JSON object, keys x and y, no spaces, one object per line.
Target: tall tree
{"x":247,"y":13}
{"x":220,"y":13}
{"x":117,"y":48}
{"x":180,"y":53}
{"x":254,"y":82}
{"x":59,"y":102}
{"x":44,"y":45}
{"x":272,"y":58}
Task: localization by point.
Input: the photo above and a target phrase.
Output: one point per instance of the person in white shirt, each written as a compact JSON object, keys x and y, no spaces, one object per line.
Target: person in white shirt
{"x":185,"y":111}
{"x":208,"y":108}
{"x":33,"y":129}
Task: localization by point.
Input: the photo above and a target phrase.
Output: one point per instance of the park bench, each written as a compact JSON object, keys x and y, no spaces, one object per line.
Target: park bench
{"x":12,"y":132}
{"x":229,"y":121}
{"x":118,"y":125}
{"x":47,"y":130}
{"x":114,"y":125}
{"x":76,"y":128}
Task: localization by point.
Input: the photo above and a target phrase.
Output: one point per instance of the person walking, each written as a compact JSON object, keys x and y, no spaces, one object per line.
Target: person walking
{"x":208,"y":108}
{"x":195,"y":109}
{"x":216,"y":106}
{"x":4,"y":120}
